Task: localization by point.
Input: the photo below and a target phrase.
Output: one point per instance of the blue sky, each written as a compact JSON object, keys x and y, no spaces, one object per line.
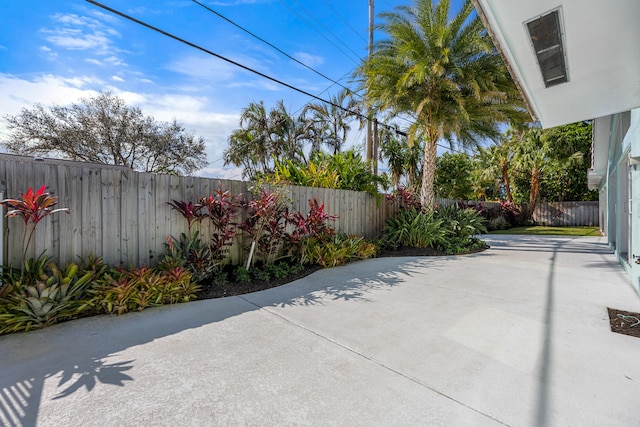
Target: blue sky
{"x":60,"y":51}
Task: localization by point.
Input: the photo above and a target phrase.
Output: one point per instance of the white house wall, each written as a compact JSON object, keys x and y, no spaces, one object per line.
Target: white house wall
{"x":622,"y":186}
{"x":633,"y":136}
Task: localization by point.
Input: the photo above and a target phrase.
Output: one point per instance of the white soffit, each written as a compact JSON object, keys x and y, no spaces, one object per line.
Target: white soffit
{"x":602,"y":49}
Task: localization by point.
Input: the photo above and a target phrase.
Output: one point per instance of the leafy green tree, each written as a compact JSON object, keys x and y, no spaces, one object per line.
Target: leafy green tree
{"x":453,"y":178}
{"x":444,"y":72}
{"x":568,"y":179}
{"x":346,"y":171}
{"x":550,"y":164}
{"x":264,"y":136}
{"x":104,"y":129}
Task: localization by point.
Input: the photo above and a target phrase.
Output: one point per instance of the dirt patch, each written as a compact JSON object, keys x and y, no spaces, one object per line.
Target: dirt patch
{"x":621,"y":322}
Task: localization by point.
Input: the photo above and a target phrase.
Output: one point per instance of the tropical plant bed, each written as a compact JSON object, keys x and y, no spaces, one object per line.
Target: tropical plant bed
{"x":622,"y":322}
{"x":235,"y":287}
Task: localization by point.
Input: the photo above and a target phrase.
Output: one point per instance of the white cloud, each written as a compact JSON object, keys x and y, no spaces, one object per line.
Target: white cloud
{"x":115,"y":61}
{"x":309,"y":59}
{"x":16,"y":93}
{"x":104,"y":17}
{"x":203,"y":67}
{"x":117,"y":78}
{"x":209,"y":68}
{"x":74,"y":39}
{"x":48,"y":53}
{"x":94,"y":62}
{"x":74,"y":32}
{"x":258,"y":84}
{"x":221,"y":173}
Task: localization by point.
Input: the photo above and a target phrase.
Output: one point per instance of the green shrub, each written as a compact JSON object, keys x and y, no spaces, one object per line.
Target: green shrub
{"x":139,"y":288}
{"x":414,"y":228}
{"x":190,"y":252}
{"x":261,"y":275}
{"x":338,"y":249}
{"x":278,"y":270}
{"x":241,"y":274}
{"x":43,"y":294}
{"x":461,"y":223}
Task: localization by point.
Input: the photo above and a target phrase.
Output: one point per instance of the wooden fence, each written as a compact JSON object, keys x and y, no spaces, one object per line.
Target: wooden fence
{"x":563,"y":214}
{"x":124,"y":217}
{"x":559,"y":214}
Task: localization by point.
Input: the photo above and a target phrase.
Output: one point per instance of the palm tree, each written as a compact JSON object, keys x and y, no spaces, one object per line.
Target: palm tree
{"x":445,"y":73}
{"x":285,"y":134}
{"x":532,"y":158}
{"x":335,"y":119}
{"x":263,"y":136}
{"x":403,"y":159}
{"x":498,"y":159}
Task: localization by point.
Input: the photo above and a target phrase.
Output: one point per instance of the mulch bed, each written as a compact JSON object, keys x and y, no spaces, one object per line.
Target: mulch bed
{"x":232,"y":288}
{"x":621,"y":326}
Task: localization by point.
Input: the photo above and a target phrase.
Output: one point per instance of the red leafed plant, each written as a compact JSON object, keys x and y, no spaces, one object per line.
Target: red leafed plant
{"x":314,"y":224}
{"x":405,"y":198}
{"x":189,"y":210}
{"x":265,"y":224}
{"x":32,"y":207}
{"x":222,"y":208}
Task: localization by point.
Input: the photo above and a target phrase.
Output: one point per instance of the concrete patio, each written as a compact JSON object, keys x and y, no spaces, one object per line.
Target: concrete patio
{"x":517,"y":335}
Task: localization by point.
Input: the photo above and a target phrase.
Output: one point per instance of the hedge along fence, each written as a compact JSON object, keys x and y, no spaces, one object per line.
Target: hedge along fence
{"x":563,"y":214}
{"x":124,"y":216}
{"x":558,"y":214}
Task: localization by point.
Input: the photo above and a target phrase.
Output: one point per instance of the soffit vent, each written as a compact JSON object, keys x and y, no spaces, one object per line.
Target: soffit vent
{"x":547,"y":38}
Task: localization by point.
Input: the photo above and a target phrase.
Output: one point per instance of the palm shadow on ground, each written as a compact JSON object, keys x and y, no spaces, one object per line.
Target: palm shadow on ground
{"x":84,"y":353}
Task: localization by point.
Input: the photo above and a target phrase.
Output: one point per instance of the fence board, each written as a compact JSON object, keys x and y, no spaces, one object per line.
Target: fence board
{"x":124,"y":216}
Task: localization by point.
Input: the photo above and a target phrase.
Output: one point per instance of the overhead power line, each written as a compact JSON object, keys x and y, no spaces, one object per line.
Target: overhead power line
{"x":293,"y":9}
{"x":271,"y":45}
{"x":237,"y":64}
{"x":244,"y":67}
{"x":357,"y":33}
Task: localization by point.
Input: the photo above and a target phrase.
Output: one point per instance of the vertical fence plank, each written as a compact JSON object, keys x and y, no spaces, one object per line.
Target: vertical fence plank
{"x":109,"y":224}
{"x":130,"y":217}
{"x":146,"y":222}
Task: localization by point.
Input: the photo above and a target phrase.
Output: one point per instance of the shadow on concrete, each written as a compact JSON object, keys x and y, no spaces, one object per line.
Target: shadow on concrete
{"x":85,"y":352}
{"x":550,"y":244}
{"x":543,"y":398}
{"x":351,"y":282}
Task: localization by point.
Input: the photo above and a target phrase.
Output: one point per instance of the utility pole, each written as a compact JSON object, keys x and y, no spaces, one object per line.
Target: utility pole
{"x":370,"y":154}
{"x":376,"y":142}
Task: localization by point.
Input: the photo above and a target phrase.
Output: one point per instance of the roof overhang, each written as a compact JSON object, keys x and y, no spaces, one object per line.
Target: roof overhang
{"x":601,"y":52}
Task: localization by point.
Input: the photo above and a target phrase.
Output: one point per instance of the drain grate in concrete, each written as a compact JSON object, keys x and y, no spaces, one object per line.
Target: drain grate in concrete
{"x":622,"y":322}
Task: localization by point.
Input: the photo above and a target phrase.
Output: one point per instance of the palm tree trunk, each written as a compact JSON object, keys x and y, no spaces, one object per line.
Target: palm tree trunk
{"x":534,"y":190}
{"x":507,"y":183}
{"x":427,"y":191}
